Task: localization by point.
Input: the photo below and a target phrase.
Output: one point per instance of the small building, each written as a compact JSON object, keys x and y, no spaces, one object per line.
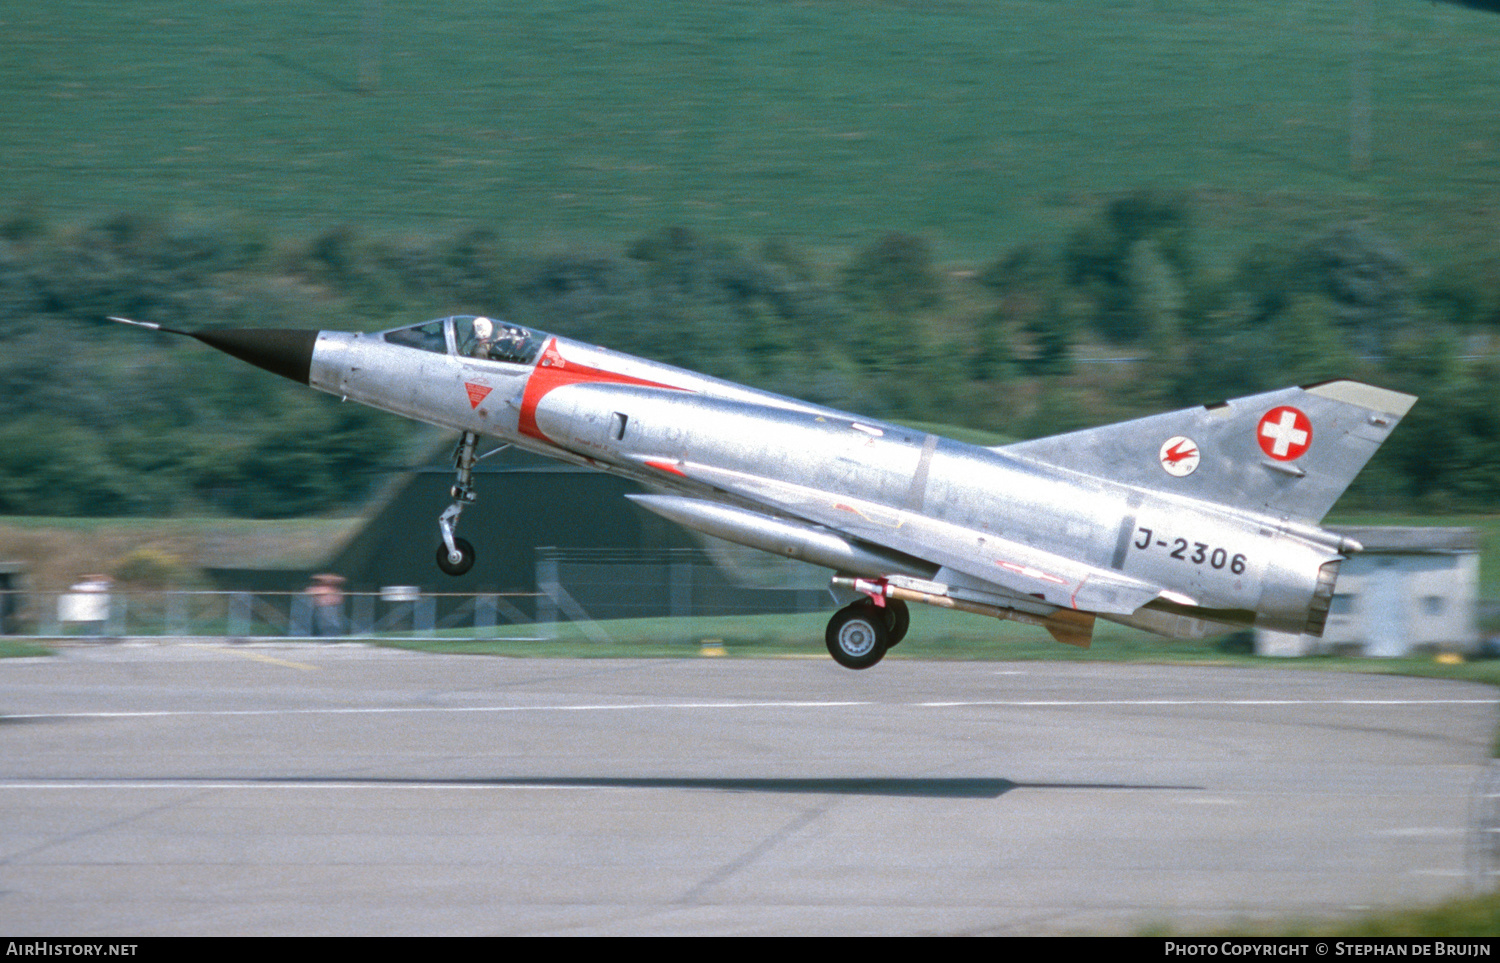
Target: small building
{"x":1411,"y":590}
{"x":12,"y":596}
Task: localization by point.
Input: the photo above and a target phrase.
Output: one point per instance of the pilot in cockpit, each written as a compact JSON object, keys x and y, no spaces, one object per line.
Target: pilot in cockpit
{"x":484,"y":338}
{"x":510,"y":344}
{"x":497,"y":341}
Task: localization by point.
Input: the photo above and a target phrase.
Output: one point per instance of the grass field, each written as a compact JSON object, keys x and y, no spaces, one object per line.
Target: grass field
{"x":1458,"y":917}
{"x":977,"y":124}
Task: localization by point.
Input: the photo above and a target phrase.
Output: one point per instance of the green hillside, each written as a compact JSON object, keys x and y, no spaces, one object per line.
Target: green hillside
{"x":973,"y":124}
{"x":1021,"y":217}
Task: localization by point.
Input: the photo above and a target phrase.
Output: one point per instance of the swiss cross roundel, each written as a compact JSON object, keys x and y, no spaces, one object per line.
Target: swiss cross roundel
{"x":1284,"y":433}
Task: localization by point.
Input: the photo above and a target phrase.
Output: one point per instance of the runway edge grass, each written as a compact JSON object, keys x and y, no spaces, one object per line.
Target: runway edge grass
{"x":1460,"y":917}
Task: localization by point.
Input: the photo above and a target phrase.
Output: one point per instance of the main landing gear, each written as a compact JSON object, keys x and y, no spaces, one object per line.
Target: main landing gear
{"x":859,"y":635}
{"x":456,"y":556}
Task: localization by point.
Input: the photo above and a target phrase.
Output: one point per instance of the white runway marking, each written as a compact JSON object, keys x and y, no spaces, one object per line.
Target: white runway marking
{"x":798,"y":704}
{"x":73,"y":784}
{"x":1211,"y":702}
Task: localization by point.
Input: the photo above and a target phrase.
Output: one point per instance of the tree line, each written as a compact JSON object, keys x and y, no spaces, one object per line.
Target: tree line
{"x":1122,"y":315}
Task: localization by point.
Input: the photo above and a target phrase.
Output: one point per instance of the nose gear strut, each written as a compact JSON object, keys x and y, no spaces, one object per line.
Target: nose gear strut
{"x":456,"y":556}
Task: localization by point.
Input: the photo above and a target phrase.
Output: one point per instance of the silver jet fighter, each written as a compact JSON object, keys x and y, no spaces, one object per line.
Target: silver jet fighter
{"x":1184,"y":524}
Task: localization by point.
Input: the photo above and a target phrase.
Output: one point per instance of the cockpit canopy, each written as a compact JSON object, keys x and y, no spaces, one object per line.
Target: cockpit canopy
{"x":488,"y":339}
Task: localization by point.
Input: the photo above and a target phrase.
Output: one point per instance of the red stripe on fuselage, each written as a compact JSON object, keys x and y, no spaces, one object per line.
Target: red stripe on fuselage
{"x":666,"y":466}
{"x":553,"y":371}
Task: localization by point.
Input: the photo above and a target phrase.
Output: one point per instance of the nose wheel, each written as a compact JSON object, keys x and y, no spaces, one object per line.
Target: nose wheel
{"x":458,"y":560}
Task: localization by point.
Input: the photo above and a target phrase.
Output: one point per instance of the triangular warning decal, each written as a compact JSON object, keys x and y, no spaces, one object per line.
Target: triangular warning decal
{"x":477,"y":393}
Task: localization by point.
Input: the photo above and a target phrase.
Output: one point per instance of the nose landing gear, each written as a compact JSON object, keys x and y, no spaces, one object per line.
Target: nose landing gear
{"x":456,"y":556}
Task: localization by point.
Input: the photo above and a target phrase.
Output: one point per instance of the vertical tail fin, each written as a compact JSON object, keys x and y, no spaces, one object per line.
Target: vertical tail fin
{"x":1289,"y":453}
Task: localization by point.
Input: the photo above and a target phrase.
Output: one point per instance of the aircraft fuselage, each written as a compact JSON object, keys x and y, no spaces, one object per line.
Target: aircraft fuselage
{"x":1185,"y":523}
{"x":974,"y":512}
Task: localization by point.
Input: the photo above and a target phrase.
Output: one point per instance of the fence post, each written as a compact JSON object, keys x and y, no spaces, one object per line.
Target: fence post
{"x":679,"y":594}
{"x":362,"y":615}
{"x":239,"y":614}
{"x":10,"y":608}
{"x":424,"y":615}
{"x":299,"y":616}
{"x":52,"y":625}
{"x":486,"y":615}
{"x":117,"y":613}
{"x":547,"y":584}
{"x":174,"y":621}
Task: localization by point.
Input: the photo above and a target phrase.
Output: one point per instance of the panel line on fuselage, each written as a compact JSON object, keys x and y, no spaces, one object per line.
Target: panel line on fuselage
{"x":1127,"y":529}
{"x":916,"y":495}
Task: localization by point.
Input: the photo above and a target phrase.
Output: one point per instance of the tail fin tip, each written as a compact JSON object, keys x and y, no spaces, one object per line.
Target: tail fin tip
{"x":1383,"y":400}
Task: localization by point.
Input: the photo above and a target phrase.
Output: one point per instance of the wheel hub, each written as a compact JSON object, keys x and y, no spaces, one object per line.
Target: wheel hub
{"x":857,"y":638}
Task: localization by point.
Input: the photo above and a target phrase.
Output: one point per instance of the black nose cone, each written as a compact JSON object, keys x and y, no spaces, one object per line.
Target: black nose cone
{"x":284,"y":351}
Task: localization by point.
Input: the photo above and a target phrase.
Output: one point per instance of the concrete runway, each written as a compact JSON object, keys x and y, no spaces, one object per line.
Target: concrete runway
{"x":301,"y":789}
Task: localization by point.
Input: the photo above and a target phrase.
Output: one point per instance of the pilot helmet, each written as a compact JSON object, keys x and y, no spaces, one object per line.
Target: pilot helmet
{"x":483,"y":327}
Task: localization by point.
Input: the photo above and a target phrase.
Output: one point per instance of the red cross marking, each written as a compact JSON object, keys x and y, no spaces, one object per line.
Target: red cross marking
{"x":1284,"y":433}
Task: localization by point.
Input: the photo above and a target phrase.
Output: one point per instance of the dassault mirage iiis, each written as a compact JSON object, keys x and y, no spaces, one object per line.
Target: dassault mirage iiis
{"x":1184,"y":524}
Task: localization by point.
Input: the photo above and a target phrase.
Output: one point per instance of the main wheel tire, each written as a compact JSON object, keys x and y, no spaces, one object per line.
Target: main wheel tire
{"x":897,"y":620}
{"x":465,"y":561}
{"x":857,"y":636}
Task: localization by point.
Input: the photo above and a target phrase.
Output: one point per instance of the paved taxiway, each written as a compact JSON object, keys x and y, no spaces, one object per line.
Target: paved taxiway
{"x":214,"y":789}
